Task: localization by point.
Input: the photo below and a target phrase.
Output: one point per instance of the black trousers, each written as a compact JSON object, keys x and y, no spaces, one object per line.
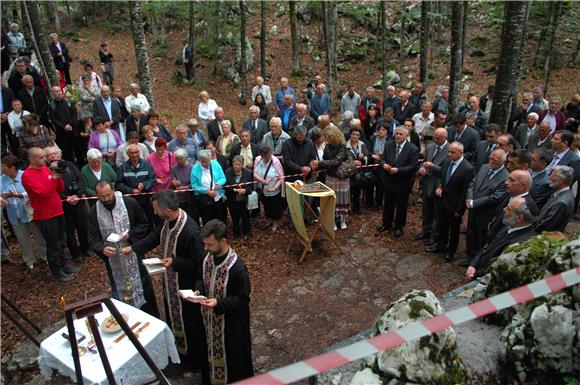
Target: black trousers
{"x":66,"y":72}
{"x":76,"y":228}
{"x":53,"y":231}
{"x":355,"y":193}
{"x":188,"y":70}
{"x":375,"y":194}
{"x":429,"y":211}
{"x":66,"y":142}
{"x":239,"y":213}
{"x":215,"y":210}
{"x":80,"y":148}
{"x":476,"y":237}
{"x":449,"y":225}
{"x":395,"y":208}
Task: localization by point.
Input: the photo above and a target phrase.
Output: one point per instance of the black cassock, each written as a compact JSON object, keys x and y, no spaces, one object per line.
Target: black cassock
{"x":188,"y":258}
{"x":236,"y":308}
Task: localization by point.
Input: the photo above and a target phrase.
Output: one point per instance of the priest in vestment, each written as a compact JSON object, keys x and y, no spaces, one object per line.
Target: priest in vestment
{"x":182,"y":253}
{"x":114,"y":213}
{"x":225,"y":282}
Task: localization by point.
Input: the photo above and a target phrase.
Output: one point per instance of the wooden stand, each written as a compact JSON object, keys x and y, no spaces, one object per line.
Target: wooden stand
{"x":88,"y":308}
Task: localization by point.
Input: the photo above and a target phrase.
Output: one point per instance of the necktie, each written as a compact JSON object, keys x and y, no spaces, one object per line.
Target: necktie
{"x":398,"y":151}
{"x":488,"y":151}
{"x":437,"y":148}
{"x":486,"y":180}
{"x":255,"y":125}
{"x":553,"y":164}
{"x":449,"y":172}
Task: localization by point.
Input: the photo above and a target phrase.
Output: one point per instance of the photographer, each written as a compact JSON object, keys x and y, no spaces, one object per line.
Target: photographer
{"x":75,"y":212}
{"x":43,"y":187}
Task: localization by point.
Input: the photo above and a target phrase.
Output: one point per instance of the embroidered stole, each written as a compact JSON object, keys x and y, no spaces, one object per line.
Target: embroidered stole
{"x":168,"y":243}
{"x":215,"y":280}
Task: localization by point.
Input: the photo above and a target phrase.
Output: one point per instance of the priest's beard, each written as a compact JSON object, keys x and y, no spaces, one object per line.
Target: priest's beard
{"x":110,"y":205}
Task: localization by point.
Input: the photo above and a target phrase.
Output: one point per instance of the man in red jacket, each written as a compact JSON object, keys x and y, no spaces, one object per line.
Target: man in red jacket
{"x":43,"y":185}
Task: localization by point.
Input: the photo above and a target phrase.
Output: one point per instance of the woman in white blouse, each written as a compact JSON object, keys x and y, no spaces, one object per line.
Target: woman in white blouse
{"x":206,"y":108}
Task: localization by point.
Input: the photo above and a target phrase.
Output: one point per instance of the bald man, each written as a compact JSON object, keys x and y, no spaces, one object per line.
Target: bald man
{"x":63,"y":116}
{"x":34,"y":99}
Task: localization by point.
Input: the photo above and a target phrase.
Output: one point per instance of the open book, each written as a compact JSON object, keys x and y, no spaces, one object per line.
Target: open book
{"x":114,"y":238}
{"x":189,"y":295}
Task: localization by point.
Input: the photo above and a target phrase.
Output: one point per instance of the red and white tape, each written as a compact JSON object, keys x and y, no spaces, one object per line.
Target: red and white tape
{"x":334,"y":359}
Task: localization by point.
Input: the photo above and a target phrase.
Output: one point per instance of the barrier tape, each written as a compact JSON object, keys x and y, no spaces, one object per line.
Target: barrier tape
{"x":361,"y":349}
{"x":224,"y":186}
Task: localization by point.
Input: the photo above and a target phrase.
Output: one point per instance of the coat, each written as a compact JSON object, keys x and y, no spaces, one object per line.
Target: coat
{"x":486,"y":195}
{"x":256,"y":133}
{"x":219,"y":177}
{"x":100,"y":110}
{"x":246,"y":177}
{"x":469,"y":139}
{"x":557,"y":212}
{"x":433,"y":177}
{"x":454,"y":190}
{"x":407,"y":162}
{"x":54,"y":51}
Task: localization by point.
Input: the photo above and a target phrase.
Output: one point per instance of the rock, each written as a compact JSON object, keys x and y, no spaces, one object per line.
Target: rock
{"x":366,"y":377}
{"x":431,"y":359}
{"x":232,"y":74}
{"x":274,"y":29}
{"x":476,"y":52}
{"x":249,"y":55}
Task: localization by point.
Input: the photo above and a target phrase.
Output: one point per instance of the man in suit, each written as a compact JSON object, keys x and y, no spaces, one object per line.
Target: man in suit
{"x":400,"y":162}
{"x":541,"y":190}
{"x":563,"y":155}
{"x":136,"y":121}
{"x":541,"y":138}
{"x":507,"y":143}
{"x":517,"y":219}
{"x":60,"y":56}
{"x":526,"y":130}
{"x":34,"y":99}
{"x":107,"y":109}
{"x":555,"y":118}
{"x":456,"y":174}
{"x":558,"y":211}
{"x":481,"y":118}
{"x":519,"y":160}
{"x":521,"y":113}
{"x":257,"y":126}
{"x":404,"y":109}
{"x":301,"y":119}
{"x":483,"y":193}
{"x":430,"y":172}
{"x":214,"y":127}
{"x":246,"y":148}
{"x":460,"y":132}
{"x":485,"y":147}
{"x":63,"y":115}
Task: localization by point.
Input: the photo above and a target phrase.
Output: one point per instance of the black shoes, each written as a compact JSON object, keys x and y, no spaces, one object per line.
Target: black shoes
{"x":448,"y":258}
{"x":61,"y":276}
{"x":435,"y":248}
{"x":384,"y":228}
{"x":68,"y":269}
{"x":398,"y":233}
{"x":421,"y":236}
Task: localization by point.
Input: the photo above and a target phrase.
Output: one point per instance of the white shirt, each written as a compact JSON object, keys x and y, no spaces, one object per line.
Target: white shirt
{"x":421,"y":121}
{"x":519,"y":196}
{"x":139,"y":100}
{"x":15,"y":122}
{"x":97,"y":173}
{"x":264,"y":90}
{"x":551,"y":120}
{"x":511,"y":230}
{"x":206,"y":111}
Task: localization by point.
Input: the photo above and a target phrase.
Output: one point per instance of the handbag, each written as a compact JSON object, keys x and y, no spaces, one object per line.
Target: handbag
{"x":253,"y":202}
{"x":347,"y":168}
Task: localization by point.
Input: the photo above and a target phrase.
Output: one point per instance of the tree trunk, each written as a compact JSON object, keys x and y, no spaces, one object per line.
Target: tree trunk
{"x":52,"y":13}
{"x":465,"y":13}
{"x":192,"y":37}
{"x":141,"y":51}
{"x":574,"y":56}
{"x":456,"y":67}
{"x":163,"y":29}
{"x":263,"y":69}
{"x":40,"y":42}
{"x":425,"y":9}
{"x":322,"y":41}
{"x":24,"y":23}
{"x":402,"y":39}
{"x":294,"y":38}
{"x":110,"y":12}
{"x":242,"y":69}
{"x":379,"y":42}
{"x":154,"y":29}
{"x":67,"y":4}
{"x":330,"y":27}
{"x":554,"y":20}
{"x":509,"y":67}
{"x":383,"y":34}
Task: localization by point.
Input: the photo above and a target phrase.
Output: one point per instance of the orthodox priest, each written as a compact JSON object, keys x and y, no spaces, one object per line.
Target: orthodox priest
{"x":114,"y":213}
{"x":182,"y":254}
{"x":225,"y":282}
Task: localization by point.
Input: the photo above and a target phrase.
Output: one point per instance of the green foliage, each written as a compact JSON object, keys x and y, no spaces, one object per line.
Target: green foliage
{"x":572,"y":381}
{"x":112,"y":27}
{"x":364,"y":15}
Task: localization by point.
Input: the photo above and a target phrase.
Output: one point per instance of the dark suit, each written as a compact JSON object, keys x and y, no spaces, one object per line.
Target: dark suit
{"x":485,"y":193}
{"x":469,"y":138}
{"x":520,"y":116}
{"x":496,"y":246}
{"x":308,"y":123}
{"x":481,"y":123}
{"x":534,"y":140}
{"x":398,"y":186}
{"x":452,"y":204}
{"x":7,"y":137}
{"x":429,"y":183}
{"x":37,"y":103}
{"x":257,"y":129}
{"x":214,"y":131}
{"x":541,"y":190}
{"x":556,"y":214}
{"x":237,"y":203}
{"x":482,"y":154}
{"x":237,"y":150}
{"x":521,"y":135}
{"x":135,"y":125}
{"x":61,"y":113}
{"x":59,"y":63}
{"x":402,"y":113}
{"x":496,"y":222}
{"x":572,"y":160}
{"x":100,"y":110}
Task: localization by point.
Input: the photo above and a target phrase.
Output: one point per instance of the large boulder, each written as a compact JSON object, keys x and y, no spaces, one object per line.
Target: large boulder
{"x":431,"y":359}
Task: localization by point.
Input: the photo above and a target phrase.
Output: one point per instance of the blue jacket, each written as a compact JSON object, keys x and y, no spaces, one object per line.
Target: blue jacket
{"x":15,"y":210}
{"x":218,"y":178}
{"x":319,"y":105}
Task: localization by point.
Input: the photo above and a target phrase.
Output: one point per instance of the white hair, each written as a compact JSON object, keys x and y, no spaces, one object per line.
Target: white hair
{"x":255,"y":108}
{"x":565,"y":173}
{"x":275,"y":120}
{"x":133,"y":85}
{"x":348,"y":115}
{"x":204,"y":154}
{"x":180,"y":153}
{"x":14,"y":25}
{"x":94,"y":154}
{"x":533,"y":115}
{"x":390,"y":88}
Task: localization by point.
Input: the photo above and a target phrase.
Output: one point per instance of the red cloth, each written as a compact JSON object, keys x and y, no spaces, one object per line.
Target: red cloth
{"x":43,"y":191}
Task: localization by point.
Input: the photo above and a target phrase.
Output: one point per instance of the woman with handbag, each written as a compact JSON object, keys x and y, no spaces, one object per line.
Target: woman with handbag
{"x":239,"y":181}
{"x":339,"y":170}
{"x":269,"y":173}
{"x":359,"y":153}
{"x":207,"y":179}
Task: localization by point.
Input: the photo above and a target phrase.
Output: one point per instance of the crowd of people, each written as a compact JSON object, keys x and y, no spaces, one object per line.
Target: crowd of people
{"x":74,"y":172}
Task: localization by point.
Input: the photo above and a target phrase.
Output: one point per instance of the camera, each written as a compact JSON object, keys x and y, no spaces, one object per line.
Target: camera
{"x":60,"y":167}
{"x":71,"y":184}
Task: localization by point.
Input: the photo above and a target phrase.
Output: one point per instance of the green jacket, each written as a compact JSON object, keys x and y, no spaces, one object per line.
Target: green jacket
{"x":107,"y":173}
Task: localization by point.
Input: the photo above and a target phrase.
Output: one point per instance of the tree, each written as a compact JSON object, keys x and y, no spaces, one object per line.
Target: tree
{"x":39,"y":41}
{"x":383,"y":28}
{"x":263,"y":69}
{"x":554,"y":20}
{"x":425,"y":9}
{"x":294,"y":37}
{"x":192,"y":37}
{"x":52,"y":13}
{"x":330,"y":28}
{"x":455,"y":66}
{"x":141,"y":51}
{"x":464,"y":31}
{"x":242,"y":69}
{"x":510,"y":60}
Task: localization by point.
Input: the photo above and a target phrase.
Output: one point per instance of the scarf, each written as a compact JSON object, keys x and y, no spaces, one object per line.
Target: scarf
{"x":126,"y":285}
{"x":169,"y":244}
{"x":215,"y":280}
